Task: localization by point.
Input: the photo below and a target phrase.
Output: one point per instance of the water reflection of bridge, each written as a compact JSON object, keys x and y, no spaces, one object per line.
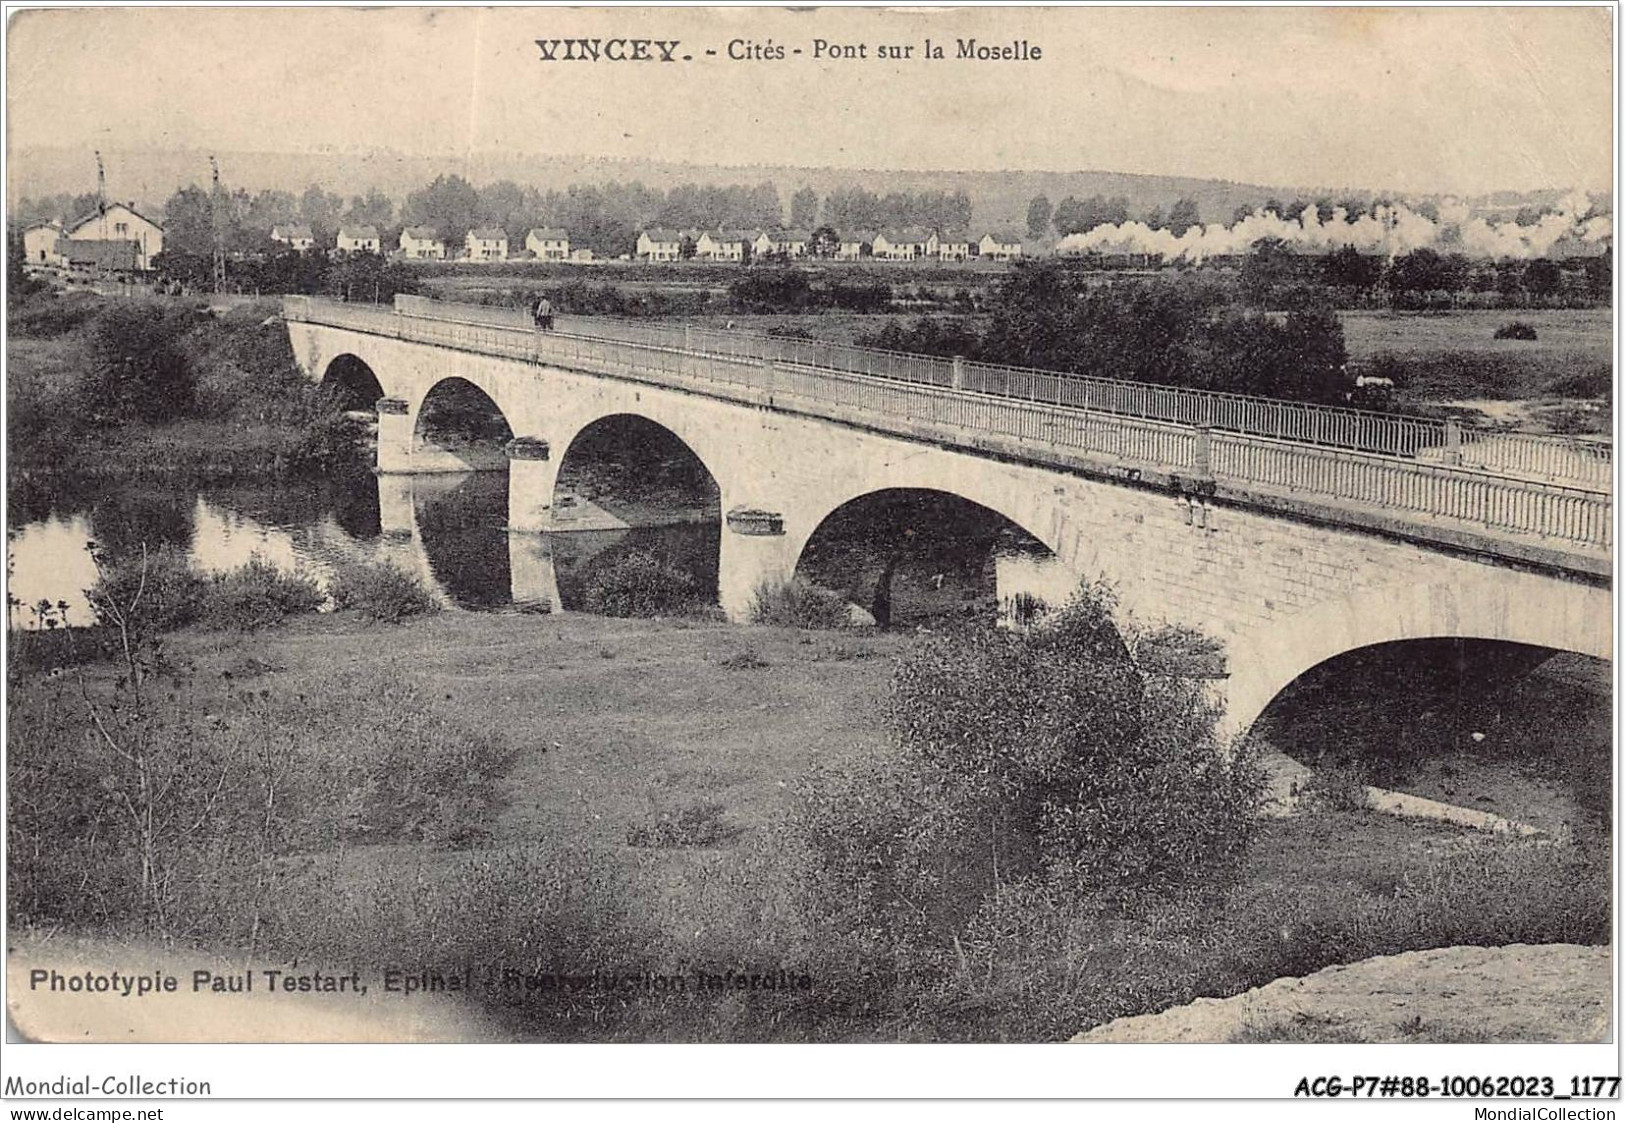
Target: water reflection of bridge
{"x":449,"y":530}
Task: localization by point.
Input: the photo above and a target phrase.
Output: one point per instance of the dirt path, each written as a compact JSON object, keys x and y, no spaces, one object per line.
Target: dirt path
{"x":1518,"y":993}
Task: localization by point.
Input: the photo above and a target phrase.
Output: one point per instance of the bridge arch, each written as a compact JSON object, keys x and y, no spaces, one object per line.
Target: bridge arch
{"x":1024,"y":507}
{"x":1580,"y":620}
{"x":461,"y":426}
{"x":939,"y":552}
{"x":350,"y":381}
{"x":635,"y":445}
{"x":633,"y":486}
{"x":645,"y":415}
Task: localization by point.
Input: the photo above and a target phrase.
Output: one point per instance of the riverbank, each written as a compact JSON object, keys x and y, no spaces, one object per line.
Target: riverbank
{"x":624,"y":784}
{"x":102,"y":390}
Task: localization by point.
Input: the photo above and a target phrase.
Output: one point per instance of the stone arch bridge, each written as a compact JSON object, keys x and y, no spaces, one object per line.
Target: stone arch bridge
{"x":1292,"y":534}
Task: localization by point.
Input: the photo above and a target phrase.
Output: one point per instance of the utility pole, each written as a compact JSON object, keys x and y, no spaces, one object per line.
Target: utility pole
{"x":217,"y":215}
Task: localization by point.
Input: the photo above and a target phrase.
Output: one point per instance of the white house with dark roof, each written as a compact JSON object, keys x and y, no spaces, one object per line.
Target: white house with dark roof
{"x":660,"y":245}
{"x":295,"y":236}
{"x":885,"y":248}
{"x":903,"y":245}
{"x":548,"y":243}
{"x":357,"y":239}
{"x":422,"y":243}
{"x":118,"y":223}
{"x":791,"y":243}
{"x":722,"y":245}
{"x":1000,"y":246}
{"x":952,"y":246}
{"x":486,"y":243}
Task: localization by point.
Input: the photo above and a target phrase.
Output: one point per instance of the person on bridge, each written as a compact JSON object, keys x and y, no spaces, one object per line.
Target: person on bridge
{"x":544,"y":314}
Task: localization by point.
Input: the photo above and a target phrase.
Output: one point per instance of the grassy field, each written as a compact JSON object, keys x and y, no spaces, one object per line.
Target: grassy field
{"x":1565,"y":334}
{"x":1455,"y":358}
{"x":659,"y":761}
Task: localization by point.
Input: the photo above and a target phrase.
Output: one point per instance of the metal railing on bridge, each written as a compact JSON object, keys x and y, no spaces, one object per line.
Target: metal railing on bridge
{"x":1559,"y":459}
{"x":1392,"y":463}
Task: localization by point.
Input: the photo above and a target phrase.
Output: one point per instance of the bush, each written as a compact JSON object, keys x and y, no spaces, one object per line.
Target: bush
{"x":154,"y":590}
{"x":522,"y":916}
{"x":859,"y":297}
{"x":1517,"y":329}
{"x":48,"y":315}
{"x":381,"y":591}
{"x":1045,"y":758}
{"x":636,"y":583}
{"x":1594,"y":383}
{"x":798,"y":604}
{"x":1483,"y":890}
{"x":255,"y":595}
{"x":142,"y":368}
{"x":773,"y":289}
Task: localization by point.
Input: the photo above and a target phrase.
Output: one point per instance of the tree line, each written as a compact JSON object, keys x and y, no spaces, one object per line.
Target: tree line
{"x":1052,"y":318}
{"x":1423,"y":279}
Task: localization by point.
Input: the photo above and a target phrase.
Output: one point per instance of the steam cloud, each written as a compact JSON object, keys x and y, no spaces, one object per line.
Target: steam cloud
{"x":1570,"y":230}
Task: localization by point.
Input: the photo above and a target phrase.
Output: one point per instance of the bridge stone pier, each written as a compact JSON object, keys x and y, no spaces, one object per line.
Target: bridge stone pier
{"x":1188,"y":527}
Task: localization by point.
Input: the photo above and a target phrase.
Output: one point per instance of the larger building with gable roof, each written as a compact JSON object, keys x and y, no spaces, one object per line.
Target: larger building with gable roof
{"x":131,"y":239}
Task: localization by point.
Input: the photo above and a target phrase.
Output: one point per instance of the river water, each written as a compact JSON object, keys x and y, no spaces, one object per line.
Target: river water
{"x":448,"y":530}
{"x":451,"y":531}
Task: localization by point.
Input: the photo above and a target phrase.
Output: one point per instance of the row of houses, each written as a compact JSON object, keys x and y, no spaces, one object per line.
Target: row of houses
{"x":117,"y":238}
{"x":114,"y":238}
{"x":423,"y":243}
{"x":659,"y":244}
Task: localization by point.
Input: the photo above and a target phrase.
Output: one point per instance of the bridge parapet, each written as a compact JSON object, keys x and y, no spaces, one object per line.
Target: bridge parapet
{"x":1528,"y":455}
{"x":1497,"y":512}
{"x":1563,"y":460}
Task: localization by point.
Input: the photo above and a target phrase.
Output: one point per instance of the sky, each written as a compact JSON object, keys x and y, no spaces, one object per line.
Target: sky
{"x":1460,"y":100}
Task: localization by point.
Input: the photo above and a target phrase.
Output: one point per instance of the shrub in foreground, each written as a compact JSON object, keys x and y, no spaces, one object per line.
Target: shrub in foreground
{"x":798,"y":603}
{"x":533,"y":915}
{"x":1517,"y":329}
{"x":153,"y":590}
{"x":179,"y":810}
{"x":382,"y":591}
{"x":637,"y":583}
{"x":1047,"y":759}
{"x":256,"y":595}
{"x":141,"y":365}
